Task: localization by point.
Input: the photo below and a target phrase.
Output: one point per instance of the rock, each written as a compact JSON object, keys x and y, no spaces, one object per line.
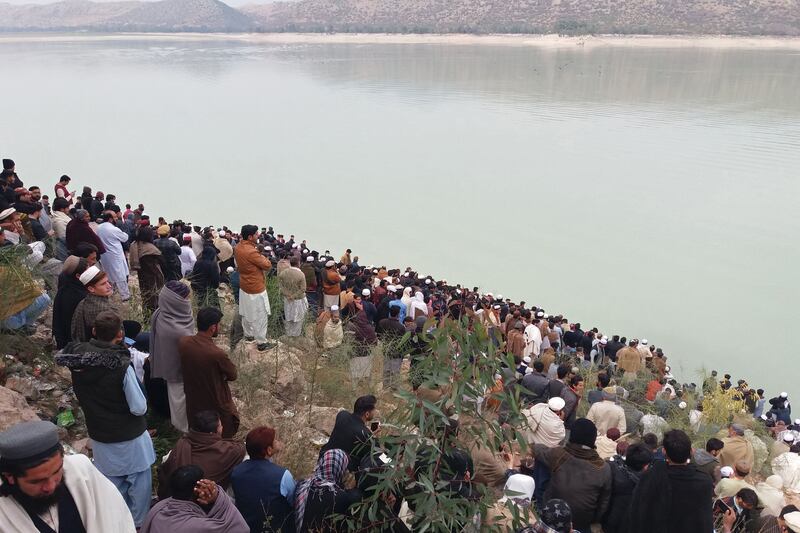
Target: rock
{"x":82,"y":446}
{"x":281,"y":367}
{"x":23,"y":385}
{"x":63,"y":374}
{"x":14,"y":409}
{"x":323,"y":418}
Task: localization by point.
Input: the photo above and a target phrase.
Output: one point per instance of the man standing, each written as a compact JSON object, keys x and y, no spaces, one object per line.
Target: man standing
{"x":253,"y":299}
{"x":292,"y":283}
{"x":113,"y":260}
{"x":171,"y":322}
{"x":331,"y":285}
{"x":62,"y":191}
{"x":97,"y":300}
{"x":43,"y":490}
{"x":60,"y":220}
{"x":391,"y":333}
{"x":114,"y":406}
{"x":207,"y":371}
{"x":672,"y":495}
{"x":736,"y":447}
{"x":607,"y":414}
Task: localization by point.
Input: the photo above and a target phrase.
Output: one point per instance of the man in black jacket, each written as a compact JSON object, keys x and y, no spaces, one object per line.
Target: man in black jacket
{"x":673,"y":495}
{"x":351,"y":433}
{"x":624,"y":478}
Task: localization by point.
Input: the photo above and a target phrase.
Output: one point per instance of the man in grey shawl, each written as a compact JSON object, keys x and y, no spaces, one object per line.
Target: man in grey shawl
{"x":292,"y":283}
{"x":197,"y":505}
{"x":171,"y":321}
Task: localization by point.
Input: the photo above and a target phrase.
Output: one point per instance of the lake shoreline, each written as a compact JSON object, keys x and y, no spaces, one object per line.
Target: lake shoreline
{"x":515,"y":40}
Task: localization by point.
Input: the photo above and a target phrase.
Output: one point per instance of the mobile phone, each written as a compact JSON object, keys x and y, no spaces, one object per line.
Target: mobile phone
{"x":374,"y":426}
{"x":721,"y":506}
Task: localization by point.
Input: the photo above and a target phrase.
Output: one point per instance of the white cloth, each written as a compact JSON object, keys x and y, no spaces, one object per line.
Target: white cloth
{"x":543,"y":426}
{"x":114,"y":263}
{"x":197,"y":243}
{"x":654,"y":424}
{"x":533,"y":341}
{"x":770,"y":494}
{"x":787,"y":465}
{"x":294,"y":314}
{"x":177,"y":406}
{"x":137,"y":359}
{"x":99,"y":503}
{"x":60,"y":221}
{"x":188,"y":259}
{"x":418,"y":307}
{"x":255,"y":311}
{"x":606,"y":415}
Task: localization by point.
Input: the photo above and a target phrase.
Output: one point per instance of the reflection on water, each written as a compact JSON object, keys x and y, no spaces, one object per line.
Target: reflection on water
{"x":648,"y":191}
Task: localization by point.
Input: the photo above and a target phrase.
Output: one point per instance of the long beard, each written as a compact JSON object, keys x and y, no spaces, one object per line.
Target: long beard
{"x":37,"y":505}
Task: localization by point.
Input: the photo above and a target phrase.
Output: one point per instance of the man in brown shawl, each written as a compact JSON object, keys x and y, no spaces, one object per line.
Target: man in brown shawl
{"x":207,"y":371}
{"x":515,"y":343}
{"x":202,"y":446}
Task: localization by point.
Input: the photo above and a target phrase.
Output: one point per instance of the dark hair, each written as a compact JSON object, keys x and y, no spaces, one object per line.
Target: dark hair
{"x":538,"y":365}
{"x":788,"y":509}
{"x":651,"y":440}
{"x":145,"y":234}
{"x":183,"y":481}
{"x":207,"y":317}
{"x":64,"y":178}
{"x":248,"y":230}
{"x":364,"y":404}
{"x":60,"y":203}
{"x":574,"y":380}
{"x":603,"y":379}
{"x":638,"y":456}
{"x":394,"y":311}
{"x":258,"y":440}
{"x":714,"y":444}
{"x":85,"y":249}
{"x":107,"y":325}
{"x":294,"y":261}
{"x":677,"y":446}
{"x":205,"y":421}
{"x":748,"y":497}
{"x":107,"y":215}
{"x":563,"y":370}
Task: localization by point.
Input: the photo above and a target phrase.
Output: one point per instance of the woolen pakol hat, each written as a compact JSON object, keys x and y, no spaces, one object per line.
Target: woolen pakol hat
{"x":28,"y":440}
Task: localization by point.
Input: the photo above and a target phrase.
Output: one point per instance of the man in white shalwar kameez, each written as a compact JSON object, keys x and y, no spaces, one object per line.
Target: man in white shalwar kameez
{"x":292,"y":283}
{"x":113,"y":260}
{"x":533,"y":338}
{"x":253,"y":299}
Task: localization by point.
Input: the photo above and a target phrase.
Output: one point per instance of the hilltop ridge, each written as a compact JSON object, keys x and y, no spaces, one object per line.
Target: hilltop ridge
{"x":570,"y":17}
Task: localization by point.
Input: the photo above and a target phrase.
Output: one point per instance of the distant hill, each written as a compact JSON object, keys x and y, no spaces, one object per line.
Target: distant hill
{"x":736,"y":17}
{"x":732,"y":17}
{"x":164,"y":15}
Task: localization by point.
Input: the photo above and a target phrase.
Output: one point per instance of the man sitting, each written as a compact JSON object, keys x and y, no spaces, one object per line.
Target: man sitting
{"x":264,"y":491}
{"x":205,"y":447}
{"x":350,"y":432}
{"x":197,"y":505}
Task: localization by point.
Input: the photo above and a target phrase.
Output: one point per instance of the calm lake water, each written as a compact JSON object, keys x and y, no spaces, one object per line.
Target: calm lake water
{"x":650,"y":192}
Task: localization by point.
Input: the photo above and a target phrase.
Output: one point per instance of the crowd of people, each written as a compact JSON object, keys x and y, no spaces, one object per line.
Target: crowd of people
{"x":617,"y":469}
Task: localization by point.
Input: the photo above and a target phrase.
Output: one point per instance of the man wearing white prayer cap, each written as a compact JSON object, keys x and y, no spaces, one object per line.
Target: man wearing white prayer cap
{"x":545,"y":423}
{"x":331,"y":285}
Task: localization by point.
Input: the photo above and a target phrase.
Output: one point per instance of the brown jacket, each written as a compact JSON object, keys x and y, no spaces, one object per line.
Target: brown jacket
{"x":206,"y":373}
{"x":252,"y":266}
{"x":330,"y":282}
{"x":735,"y":449}
{"x":629,"y":360}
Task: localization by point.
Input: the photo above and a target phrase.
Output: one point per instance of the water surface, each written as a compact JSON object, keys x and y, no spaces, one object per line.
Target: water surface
{"x":650,"y":192}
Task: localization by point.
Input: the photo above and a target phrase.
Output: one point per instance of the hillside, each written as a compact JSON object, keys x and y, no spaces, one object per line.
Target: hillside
{"x":737,"y":17}
{"x":164,"y":15}
{"x":733,"y":17}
